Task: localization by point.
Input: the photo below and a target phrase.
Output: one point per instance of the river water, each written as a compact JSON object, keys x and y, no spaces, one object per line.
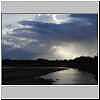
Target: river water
{"x":70,"y":77}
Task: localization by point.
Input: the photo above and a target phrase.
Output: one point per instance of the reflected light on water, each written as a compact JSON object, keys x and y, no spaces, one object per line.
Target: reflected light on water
{"x":66,"y":73}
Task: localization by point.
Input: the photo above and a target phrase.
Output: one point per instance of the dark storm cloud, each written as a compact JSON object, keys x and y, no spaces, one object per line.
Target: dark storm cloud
{"x":82,"y":30}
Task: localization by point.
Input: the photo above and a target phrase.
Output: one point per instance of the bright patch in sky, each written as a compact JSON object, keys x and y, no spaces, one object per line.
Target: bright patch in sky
{"x":58,"y":19}
{"x":64,"y":52}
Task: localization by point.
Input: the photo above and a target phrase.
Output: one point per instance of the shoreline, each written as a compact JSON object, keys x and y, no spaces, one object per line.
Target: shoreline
{"x":20,"y":76}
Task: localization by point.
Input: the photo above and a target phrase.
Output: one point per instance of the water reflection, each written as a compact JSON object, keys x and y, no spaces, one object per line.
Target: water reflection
{"x":70,"y":76}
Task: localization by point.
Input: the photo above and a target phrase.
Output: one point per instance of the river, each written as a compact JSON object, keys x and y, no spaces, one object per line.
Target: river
{"x":70,"y":77}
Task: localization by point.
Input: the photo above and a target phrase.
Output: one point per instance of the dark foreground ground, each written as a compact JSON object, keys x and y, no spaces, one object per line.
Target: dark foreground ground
{"x":26,"y":76}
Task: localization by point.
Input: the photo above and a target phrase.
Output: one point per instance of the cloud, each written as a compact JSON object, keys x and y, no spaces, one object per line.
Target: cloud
{"x":17,"y":42}
{"x":37,"y":35}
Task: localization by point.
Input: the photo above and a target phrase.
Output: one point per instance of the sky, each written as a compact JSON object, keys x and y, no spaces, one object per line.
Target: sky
{"x":48,"y":36}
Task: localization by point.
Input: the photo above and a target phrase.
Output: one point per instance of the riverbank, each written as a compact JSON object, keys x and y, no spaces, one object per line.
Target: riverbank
{"x":24,"y":71}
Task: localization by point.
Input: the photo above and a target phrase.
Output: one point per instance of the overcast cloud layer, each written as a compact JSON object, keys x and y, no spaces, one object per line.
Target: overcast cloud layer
{"x":49,"y":36}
